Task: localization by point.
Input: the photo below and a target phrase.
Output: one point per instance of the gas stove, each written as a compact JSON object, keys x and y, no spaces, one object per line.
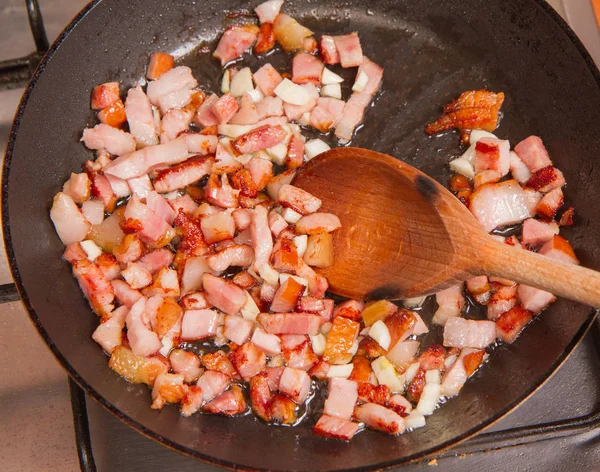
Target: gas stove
{"x":55,"y":426}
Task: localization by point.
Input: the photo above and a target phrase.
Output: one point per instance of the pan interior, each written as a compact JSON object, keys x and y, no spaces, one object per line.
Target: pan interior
{"x":431,"y":52}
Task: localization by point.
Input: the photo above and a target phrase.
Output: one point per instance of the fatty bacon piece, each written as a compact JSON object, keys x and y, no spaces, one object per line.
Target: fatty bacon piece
{"x":461,"y":333}
{"x":184,"y":174}
{"x":70,"y":224}
{"x":143,"y":221}
{"x":223,"y":294}
{"x":140,"y":117}
{"x":268,"y":11}
{"x":115,"y":141}
{"x":175,"y":81}
{"x":263,"y":137}
{"x":96,"y":287}
{"x":235,"y":41}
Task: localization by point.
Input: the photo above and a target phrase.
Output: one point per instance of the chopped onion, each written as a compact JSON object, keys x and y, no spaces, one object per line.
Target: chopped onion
{"x":429,"y":398}
{"x":450,"y":360}
{"x":325,"y":327}
{"x":463,"y":166}
{"x":167,"y":345}
{"x":414,"y":302}
{"x":340,"y":371}
{"x":432,"y":376}
{"x":478,"y":134}
{"x":361,"y":81}
{"x":91,"y":249}
{"x":225,"y":83}
{"x":292,"y":93}
{"x":256,"y":95}
{"x":268,"y":274}
{"x":330,"y":78}
{"x":314,"y":147}
{"x":244,"y":158}
{"x":278,"y":153}
{"x":318,"y":344}
{"x":305,"y":119}
{"x":354,"y":349}
{"x":411,"y":372}
{"x":291,"y":216}
{"x":420,"y":327}
{"x":365,"y":331}
{"x":386,"y":374}
{"x":249,"y":310}
{"x":234,"y":131}
{"x":332,"y":90}
{"x":300,"y":242}
{"x":241,"y":83}
{"x":414,"y":420}
{"x":381,"y":334}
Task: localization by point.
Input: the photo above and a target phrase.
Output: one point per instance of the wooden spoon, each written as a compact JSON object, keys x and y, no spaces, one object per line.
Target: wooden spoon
{"x":404,"y":235}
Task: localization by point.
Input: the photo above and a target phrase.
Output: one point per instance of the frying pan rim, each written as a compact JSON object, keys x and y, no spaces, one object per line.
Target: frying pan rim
{"x":152,"y":434}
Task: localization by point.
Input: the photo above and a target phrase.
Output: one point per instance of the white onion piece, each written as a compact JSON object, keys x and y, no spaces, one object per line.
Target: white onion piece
{"x":380,"y":333}
{"x":301,"y":242}
{"x":292,"y":93}
{"x":332,"y":90}
{"x":329,"y":78}
{"x":255,"y":95}
{"x":340,"y":371}
{"x":361,"y":81}
{"x":318,"y":344}
{"x":325,"y":328}
{"x":314,"y":147}
{"x":244,"y":158}
{"x":463,"y":166}
{"x":386,"y":374}
{"x":305,"y":119}
{"x":478,"y":134}
{"x":268,"y":274}
{"x":234,"y":131}
{"x":354,"y":349}
{"x":241,"y":84}
{"x":450,"y":360}
{"x":414,"y":302}
{"x":91,"y":249}
{"x":429,"y":398}
{"x":412,"y":370}
{"x":432,"y":376}
{"x":167,"y":345}
{"x":225,"y":83}
{"x":414,"y":420}
{"x":291,"y":216}
{"x":249,"y":309}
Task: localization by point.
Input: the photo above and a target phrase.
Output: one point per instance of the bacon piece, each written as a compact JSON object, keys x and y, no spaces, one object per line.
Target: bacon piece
{"x":276,"y":223}
{"x":78,"y":187}
{"x":480,"y":289}
{"x":136,"y":276}
{"x":546,"y":179}
{"x":266,"y":79}
{"x":225,"y":108}
{"x":239,"y":255}
{"x":291,"y":323}
{"x":335,"y":428}
{"x":199,"y":324}
{"x":174,"y":122}
{"x":349,"y":50}
{"x":283,"y":409}
{"x":168,"y":388}
{"x":317,"y":222}
{"x":432,"y":357}
{"x":160,"y":207}
{"x":352,"y":115}
{"x":474,"y":99}
{"x":268,"y":343}
{"x":559,"y":248}
{"x":361,"y":370}
{"x":69,"y":223}
{"x":237,"y":329}
{"x":550,"y":203}
{"x":230,"y":403}
{"x":193,"y":301}
{"x":295,"y":152}
{"x":95,"y":286}
{"x":223,"y":294}
{"x":219,"y":362}
{"x":341,"y":337}
{"x":248,"y":360}
{"x":268,"y":11}
{"x":185,"y":363}
{"x":266,"y":39}
{"x":535,"y":232}
{"x":201,"y":144}
{"x":285,"y":257}
{"x":261,"y":237}
{"x":400,"y":325}
{"x":213,"y":383}
{"x":566,"y":219}
{"x":503,"y":299}
{"x":234,"y":42}
{"x":510,"y":323}
{"x":306,"y":68}
{"x":157,"y":259}
{"x":205,"y":115}
{"x":269,"y":106}
{"x":328,"y":50}
{"x":263,"y":137}
{"x":319,"y":370}
{"x":295,"y":383}
{"x":185,"y":203}
{"x":261,"y":396}
{"x":456,"y":375}
{"x":350,"y":309}
{"x":105,"y":95}
{"x":247,"y":114}
{"x":400,"y":405}
{"x":298,"y":352}
{"x":140,"y":117}
{"x":109,"y":334}
{"x":459,"y":332}
{"x":369,"y":393}
{"x":74,"y":252}
{"x":149,"y":227}
{"x":380,"y":418}
{"x":416,"y":386}
{"x":101,"y":189}
{"x":299,"y":200}
{"x":501,"y":204}
{"x":165,"y":284}
{"x":451,"y":303}
{"x":261,"y":171}
{"x":374,"y":73}
{"x":159,"y":64}
{"x":317,"y":284}
{"x":124,"y":293}
{"x":115,"y":141}
{"x":220,"y":193}
{"x":519,"y":169}
{"x":327,"y":114}
{"x":492,"y":154}
{"x":142,"y":339}
{"x":93,"y":211}
{"x":341,"y":398}
{"x":287,"y":296}
{"x":173,"y":81}
{"x":533,"y":153}
{"x":369,"y":348}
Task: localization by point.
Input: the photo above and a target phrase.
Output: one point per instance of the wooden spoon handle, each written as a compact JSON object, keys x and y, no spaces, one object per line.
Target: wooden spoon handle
{"x":562,"y":279}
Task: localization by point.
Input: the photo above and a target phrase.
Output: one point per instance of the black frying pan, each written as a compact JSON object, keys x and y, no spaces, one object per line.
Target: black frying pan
{"x":431,"y":50}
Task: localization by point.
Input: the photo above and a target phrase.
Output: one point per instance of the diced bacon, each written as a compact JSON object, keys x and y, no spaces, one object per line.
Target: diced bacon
{"x":168,"y":388}
{"x":558,"y":248}
{"x":264,"y":137}
{"x":276,"y":223}
{"x":150,"y":227}
{"x":380,"y":418}
{"x":119,"y":186}
{"x":185,"y":363}
{"x":140,"y":186}
{"x":242,"y":218}
{"x":349,"y":309}
{"x":201,"y":144}
{"x":400,"y":325}
{"x":451,"y":303}
{"x":283,"y":410}
{"x":274,"y":376}
{"x":279,"y":181}
{"x":295,"y":383}
{"x":291,"y":323}
{"x":78,"y":187}
{"x":177,"y":99}
{"x":317,"y":284}
{"x":519,"y":169}
{"x":550,"y":203}
{"x":93,"y":211}
{"x":328,"y":50}
{"x":140,"y":117}
{"x":349,"y":50}
{"x":219,"y":362}
{"x":432,"y":357}
{"x":369,"y":348}
{"x":535,"y":232}
{"x":480,"y":289}
{"x":340,"y":339}
{"x":96,"y":287}
{"x":287,"y":296}
{"x":247,"y":113}
{"x":269,"y":106}
{"x":234,"y":42}
{"x":143,"y":161}
{"x":501,"y":204}
{"x":199,"y":324}
{"x":124,"y":293}
{"x":160,"y":206}
{"x":225,"y":163}
{"x":298,"y":200}
{"x":101,"y":189}
{"x":261,"y":396}
{"x":113,"y":115}
{"x":295,"y":152}
{"x":486,"y":177}
{"x":74,"y":252}
{"x":174,"y":80}
{"x":335,"y":428}
{"x":159,"y":64}
{"x":546,"y":179}
{"x":205,"y":115}
{"x":223,"y":294}
{"x":157,"y":260}
{"x":115,"y":141}
{"x":459,"y":332}
{"x":266,"y":79}
{"x":306,"y":68}
{"x":136,"y":276}
{"x":298,"y":355}
{"x":248,"y":360}
{"x":193,"y":301}
{"x":295,"y":112}
{"x":142,"y":339}
{"x":401,"y":355}
{"x":321,"y":119}
{"x":400,"y":405}
{"x":239,"y":255}
{"x":566,"y":219}
{"x":332,"y":106}
{"x":268,"y":11}
{"x":266,"y":39}
{"x":237,"y":329}
{"x":342,"y":397}
{"x":191,"y":401}
{"x":318,"y":223}
{"x":165,"y":284}
{"x":109,"y":333}
{"x":261,"y":171}
{"x":285,"y":256}
{"x":230,"y":403}
{"x":213,"y":383}
{"x":456,"y":375}
{"x":352,"y":115}
{"x":533,"y":153}
{"x":105,"y":95}
{"x":217,"y":227}
{"x":511,"y":323}
{"x":269,"y":343}
{"x":185,"y":203}
{"x":173,"y":123}
{"x":492,"y":154}
{"x":369,"y":393}
{"x":165,"y":317}
{"x":502,"y":299}
{"x":261,"y":237}
{"x":219,"y":192}
{"x":374,"y":73}
{"x":184,"y":174}
{"x":225,"y":108}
